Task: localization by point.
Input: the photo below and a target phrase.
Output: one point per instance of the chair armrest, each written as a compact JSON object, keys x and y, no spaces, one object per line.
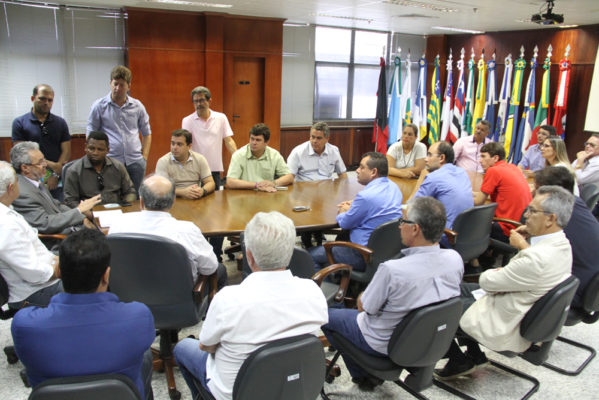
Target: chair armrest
{"x":451,"y":235}
{"x":204,"y":282}
{"x":364,"y":251}
{"x":343,"y":284}
{"x":58,"y":236}
{"x":507,"y":221}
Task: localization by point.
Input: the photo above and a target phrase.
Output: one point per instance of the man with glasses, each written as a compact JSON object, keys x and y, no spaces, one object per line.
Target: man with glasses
{"x":586,"y":165}
{"x":36,"y":205}
{"x":96,"y":173}
{"x":425,"y":274}
{"x":543,"y":261}
{"x":50,"y":131}
{"x":533,"y":160}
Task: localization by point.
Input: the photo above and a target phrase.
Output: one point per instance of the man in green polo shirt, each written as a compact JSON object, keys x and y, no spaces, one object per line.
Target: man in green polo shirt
{"x":257,"y":166}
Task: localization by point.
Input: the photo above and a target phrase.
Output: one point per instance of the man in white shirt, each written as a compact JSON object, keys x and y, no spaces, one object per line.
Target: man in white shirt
{"x":29,"y":269}
{"x":157,"y":196}
{"x":241,"y":318}
{"x":586,"y":165}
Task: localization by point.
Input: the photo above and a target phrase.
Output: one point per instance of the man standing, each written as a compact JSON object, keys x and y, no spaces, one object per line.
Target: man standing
{"x":50,"y":131}
{"x":270,"y":304}
{"x":506,"y":186}
{"x":533,"y":159}
{"x":188,"y":169}
{"x":257,"y":166}
{"x":122,"y":118}
{"x":157,"y":196}
{"x":586,"y":165}
{"x":209,"y":130}
{"x":467,"y":149}
{"x":426,"y":274}
{"x":494,"y":319}
{"x":86,"y":330}
{"x":28,"y":267}
{"x":36,"y":205}
{"x":316,"y":159}
{"x":96,"y":173}
{"x":379,"y":202}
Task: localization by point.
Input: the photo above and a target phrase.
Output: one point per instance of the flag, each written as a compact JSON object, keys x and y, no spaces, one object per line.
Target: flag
{"x":512,"y":118}
{"x":433,"y":117}
{"x":481,"y":92}
{"x":504,"y":99}
{"x":489,"y":112}
{"x":458,"y":103}
{"x":543,"y":111}
{"x":380,"y":133}
{"x":528,"y":116}
{"x":395,"y":125}
{"x":446,"y":115}
{"x":419,"y":118}
{"x":406,"y":96}
{"x":561,"y":98}
{"x":469,"y":108}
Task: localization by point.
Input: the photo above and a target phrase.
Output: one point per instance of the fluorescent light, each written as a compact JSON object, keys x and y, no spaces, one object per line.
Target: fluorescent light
{"x":420,"y":4}
{"x":192,"y":3}
{"x":369,"y":20}
{"x":567,"y":26}
{"x":296,"y":24}
{"x":448,"y":28}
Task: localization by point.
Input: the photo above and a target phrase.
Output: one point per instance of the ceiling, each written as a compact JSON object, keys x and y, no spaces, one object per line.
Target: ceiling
{"x":405,"y":16}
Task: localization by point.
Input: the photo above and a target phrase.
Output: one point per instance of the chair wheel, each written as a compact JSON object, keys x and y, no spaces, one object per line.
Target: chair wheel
{"x":23,"y":374}
{"x":11,"y":355}
{"x":231,"y":256}
{"x":174,"y":394}
{"x":329,"y":379}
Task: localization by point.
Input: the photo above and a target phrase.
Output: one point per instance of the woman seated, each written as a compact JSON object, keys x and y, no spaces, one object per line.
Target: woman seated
{"x":406,"y":157}
{"x":553,"y":150}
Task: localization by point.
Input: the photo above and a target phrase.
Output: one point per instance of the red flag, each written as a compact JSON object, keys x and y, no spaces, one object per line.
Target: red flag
{"x":561,"y":98}
{"x":380,"y":134}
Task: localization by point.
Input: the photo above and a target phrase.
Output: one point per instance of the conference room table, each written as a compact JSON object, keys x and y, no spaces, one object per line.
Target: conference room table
{"x":226,"y":212}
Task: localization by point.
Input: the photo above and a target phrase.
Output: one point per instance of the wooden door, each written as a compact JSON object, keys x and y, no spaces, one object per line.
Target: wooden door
{"x":248,"y":96}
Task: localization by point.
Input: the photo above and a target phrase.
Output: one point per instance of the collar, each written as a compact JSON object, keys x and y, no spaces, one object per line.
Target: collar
{"x":376,"y":181}
{"x":155,"y":214}
{"x":267,"y":277}
{"x":410,"y":251}
{"x":197,"y":117}
{"x":33,"y":118}
{"x":127,"y":100}
{"x":6,"y":210}
{"x":250,"y":156}
{"x":84,"y":298}
{"x":189,"y":158}
{"x":34,"y":183}
{"x":87,"y":164}
{"x":311,"y":151}
{"x":485,"y":140}
{"x":536,"y":239}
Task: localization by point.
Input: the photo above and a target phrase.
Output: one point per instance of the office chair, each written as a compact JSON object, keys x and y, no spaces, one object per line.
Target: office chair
{"x":541,"y":325}
{"x":589,"y":314}
{"x":89,"y":387}
{"x":418,"y":342}
{"x":590,"y":194}
{"x":9,"y":351}
{"x":471,"y":231}
{"x":292,"y":369}
{"x":156,"y":271}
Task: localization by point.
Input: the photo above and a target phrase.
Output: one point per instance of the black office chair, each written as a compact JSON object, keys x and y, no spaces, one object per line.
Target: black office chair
{"x":417,"y":344}
{"x":290,"y":369}
{"x":589,"y":314}
{"x":156,"y":271}
{"x":541,"y":325}
{"x":590,"y":194}
{"x":384,"y":244}
{"x":471,"y":231}
{"x":9,"y":351}
{"x":89,"y":387}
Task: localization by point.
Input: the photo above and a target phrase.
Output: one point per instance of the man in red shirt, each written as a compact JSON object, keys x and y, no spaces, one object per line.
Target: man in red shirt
{"x":506,"y":185}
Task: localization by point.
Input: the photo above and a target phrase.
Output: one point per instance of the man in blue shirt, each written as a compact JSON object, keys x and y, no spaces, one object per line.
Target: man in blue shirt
{"x":122,"y":118}
{"x":50,"y":131}
{"x":379,"y":202}
{"x":85,"y":330}
{"x":447,"y":183}
{"x":533,"y":160}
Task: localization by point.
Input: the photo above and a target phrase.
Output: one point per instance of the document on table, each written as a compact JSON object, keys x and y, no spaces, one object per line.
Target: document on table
{"x":106,"y":218}
{"x":478,"y":293}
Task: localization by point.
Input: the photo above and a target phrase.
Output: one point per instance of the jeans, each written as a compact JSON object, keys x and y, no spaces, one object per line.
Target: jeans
{"x":192,"y":364}
{"x":136,"y":172}
{"x":41,"y":298}
{"x":343,"y":255}
{"x":345,"y":322}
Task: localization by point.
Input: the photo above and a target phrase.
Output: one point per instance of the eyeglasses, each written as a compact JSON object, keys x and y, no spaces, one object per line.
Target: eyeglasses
{"x":431,"y":154}
{"x":39,"y":163}
{"x":406,"y":221}
{"x":532,"y":210}
{"x":200,"y":100}
{"x":545,"y":146}
{"x":44,"y":129}
{"x":100,"y":179}
{"x":593,"y":145}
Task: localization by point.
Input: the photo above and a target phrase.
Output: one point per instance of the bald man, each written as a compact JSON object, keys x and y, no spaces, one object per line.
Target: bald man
{"x":156,"y":198}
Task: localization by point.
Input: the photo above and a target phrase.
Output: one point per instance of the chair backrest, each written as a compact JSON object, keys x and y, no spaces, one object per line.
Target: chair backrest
{"x":155,"y":271}
{"x":290,"y":369}
{"x":385,"y":242}
{"x":590,"y":194}
{"x":544,"y":321}
{"x":90,"y":387}
{"x":474,"y":230}
{"x":425,"y":334}
{"x":65,"y":168}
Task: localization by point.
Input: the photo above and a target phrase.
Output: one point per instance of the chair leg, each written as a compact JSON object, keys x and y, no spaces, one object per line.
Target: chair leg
{"x":452,"y":390}
{"x":330,"y":366}
{"x":581,"y":367}
{"x":408,"y":389}
{"x":165,"y":362}
{"x":11,"y":355}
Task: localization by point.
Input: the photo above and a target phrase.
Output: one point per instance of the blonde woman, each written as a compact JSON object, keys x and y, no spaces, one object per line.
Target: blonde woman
{"x":553,"y":150}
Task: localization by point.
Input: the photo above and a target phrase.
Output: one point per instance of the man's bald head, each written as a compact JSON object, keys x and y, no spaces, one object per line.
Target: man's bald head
{"x":157,"y":193}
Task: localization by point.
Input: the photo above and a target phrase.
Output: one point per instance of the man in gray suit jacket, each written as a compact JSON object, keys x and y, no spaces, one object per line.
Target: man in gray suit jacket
{"x":493,"y":320}
{"x":35,"y":203}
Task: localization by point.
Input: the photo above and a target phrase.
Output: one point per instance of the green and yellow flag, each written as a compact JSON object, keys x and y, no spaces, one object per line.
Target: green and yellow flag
{"x":434,"y":109}
{"x":512,"y":119}
{"x":481,"y":92}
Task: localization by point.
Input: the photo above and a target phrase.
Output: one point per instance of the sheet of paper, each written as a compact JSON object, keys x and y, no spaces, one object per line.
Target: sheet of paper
{"x":478,"y":293}
{"x":106,"y":218}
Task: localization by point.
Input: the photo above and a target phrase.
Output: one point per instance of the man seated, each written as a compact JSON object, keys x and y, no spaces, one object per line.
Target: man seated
{"x":445,"y":182}
{"x":156,"y":198}
{"x":36,"y":203}
{"x":468,"y":148}
{"x":95,"y":173}
{"x":494,"y":319}
{"x":506,"y":186}
{"x":533,"y":160}
{"x":86,"y":330}
{"x":188,"y":169}
{"x":582,"y":230}
{"x":270,"y":304}
{"x":257,"y":166}
{"x":379,"y":202}
{"x":29,"y":269}
{"x":586,"y":165}
{"x":426,"y":274}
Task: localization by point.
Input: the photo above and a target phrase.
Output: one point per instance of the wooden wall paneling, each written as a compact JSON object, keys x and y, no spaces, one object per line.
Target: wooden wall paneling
{"x":362,"y":143}
{"x":5,"y":146}
{"x":77,"y":147}
{"x":214,"y":61}
{"x":253,"y":35}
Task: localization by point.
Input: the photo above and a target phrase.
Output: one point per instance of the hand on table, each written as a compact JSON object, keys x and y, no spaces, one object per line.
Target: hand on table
{"x":192,"y":192}
{"x":87,"y":205}
{"x":266,"y":186}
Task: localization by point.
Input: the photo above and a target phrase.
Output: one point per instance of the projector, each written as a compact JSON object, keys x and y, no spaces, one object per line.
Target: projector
{"x":549,"y":18}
